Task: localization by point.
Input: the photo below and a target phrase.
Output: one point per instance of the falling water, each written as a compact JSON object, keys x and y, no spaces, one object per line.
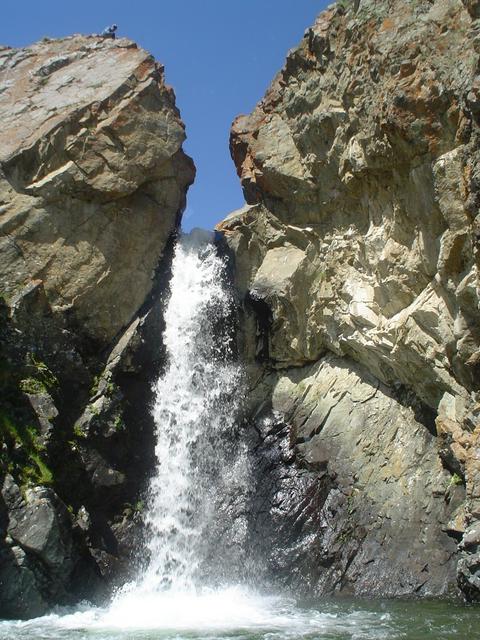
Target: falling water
{"x":196,"y":406}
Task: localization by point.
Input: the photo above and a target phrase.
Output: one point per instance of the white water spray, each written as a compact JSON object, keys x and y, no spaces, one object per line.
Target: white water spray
{"x":196,"y":406}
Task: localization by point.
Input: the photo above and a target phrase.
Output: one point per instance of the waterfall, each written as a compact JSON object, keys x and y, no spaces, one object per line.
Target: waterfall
{"x":193,"y":586}
{"x":200,"y":462}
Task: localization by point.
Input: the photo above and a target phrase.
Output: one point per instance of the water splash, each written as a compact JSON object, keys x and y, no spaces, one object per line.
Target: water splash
{"x":196,"y":405}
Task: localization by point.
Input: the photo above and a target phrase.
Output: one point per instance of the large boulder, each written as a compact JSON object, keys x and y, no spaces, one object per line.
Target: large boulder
{"x":93,"y":175}
{"x":41,"y":561}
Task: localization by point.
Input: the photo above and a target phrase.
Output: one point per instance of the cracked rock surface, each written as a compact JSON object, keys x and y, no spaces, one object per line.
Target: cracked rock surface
{"x":92,"y":175}
{"x":359,"y":242}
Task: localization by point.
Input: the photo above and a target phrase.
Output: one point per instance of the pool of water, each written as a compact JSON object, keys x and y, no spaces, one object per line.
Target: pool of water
{"x":242,"y":614}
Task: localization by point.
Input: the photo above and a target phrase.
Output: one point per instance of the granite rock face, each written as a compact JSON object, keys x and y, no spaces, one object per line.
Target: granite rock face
{"x":358,"y":491}
{"x":356,"y":261}
{"x":93,"y":176}
{"x":93,"y":181}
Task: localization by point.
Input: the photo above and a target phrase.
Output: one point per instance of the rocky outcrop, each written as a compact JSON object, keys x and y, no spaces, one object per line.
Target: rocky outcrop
{"x":91,"y":164}
{"x":356,"y":264}
{"x":45,"y":559}
{"x":92,"y":185}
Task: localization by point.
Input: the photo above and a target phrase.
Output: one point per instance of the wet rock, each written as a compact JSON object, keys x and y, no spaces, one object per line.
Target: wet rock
{"x":21,"y":595}
{"x":366,"y":497}
{"x":41,"y":558}
{"x":469,"y":575}
{"x":41,"y":526}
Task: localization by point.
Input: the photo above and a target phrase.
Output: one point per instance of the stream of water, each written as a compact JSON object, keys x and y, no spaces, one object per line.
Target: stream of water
{"x":197,"y":582}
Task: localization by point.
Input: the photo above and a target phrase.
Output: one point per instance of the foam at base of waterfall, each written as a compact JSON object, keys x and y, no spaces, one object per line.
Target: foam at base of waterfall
{"x":225,"y":613}
{"x":231,"y":608}
{"x":237,"y":613}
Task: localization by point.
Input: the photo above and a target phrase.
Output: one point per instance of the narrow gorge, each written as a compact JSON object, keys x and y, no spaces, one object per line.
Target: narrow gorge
{"x":213,"y":427}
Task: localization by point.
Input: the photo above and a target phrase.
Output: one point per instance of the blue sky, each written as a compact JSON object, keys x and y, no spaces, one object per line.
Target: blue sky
{"x":219,"y":56}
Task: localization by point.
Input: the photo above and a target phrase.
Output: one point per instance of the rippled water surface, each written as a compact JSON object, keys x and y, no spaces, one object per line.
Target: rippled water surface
{"x":237,"y":613}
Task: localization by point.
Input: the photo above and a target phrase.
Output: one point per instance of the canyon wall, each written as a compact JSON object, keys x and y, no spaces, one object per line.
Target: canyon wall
{"x":93,"y":182}
{"x":356,"y":267}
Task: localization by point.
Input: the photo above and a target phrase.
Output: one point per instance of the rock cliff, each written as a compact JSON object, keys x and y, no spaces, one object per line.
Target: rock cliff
{"x":356,"y":265}
{"x":92,"y":185}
